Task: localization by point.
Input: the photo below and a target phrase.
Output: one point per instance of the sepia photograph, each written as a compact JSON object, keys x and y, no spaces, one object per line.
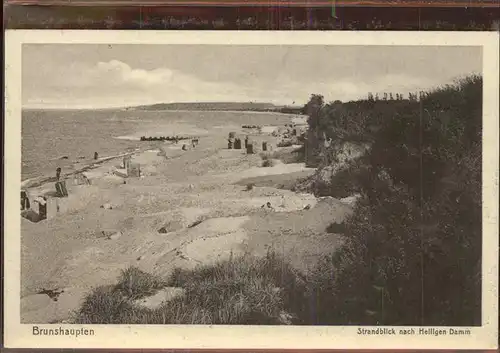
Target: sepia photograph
{"x":274,"y":183}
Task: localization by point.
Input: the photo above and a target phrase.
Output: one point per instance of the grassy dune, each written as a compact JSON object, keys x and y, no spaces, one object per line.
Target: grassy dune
{"x":242,"y":290}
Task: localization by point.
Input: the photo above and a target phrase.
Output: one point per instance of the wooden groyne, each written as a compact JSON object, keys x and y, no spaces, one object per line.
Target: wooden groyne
{"x":164,"y":138}
{"x":251,"y":127}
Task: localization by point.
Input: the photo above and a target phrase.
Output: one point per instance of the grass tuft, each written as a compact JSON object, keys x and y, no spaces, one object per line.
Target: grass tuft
{"x":104,"y":305}
{"x":244,"y":290}
{"x":267,"y":161}
{"x":135,"y":284}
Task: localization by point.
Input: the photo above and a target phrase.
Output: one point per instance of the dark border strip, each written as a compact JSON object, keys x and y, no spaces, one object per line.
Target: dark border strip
{"x":262,"y":18}
{"x":300,"y":3}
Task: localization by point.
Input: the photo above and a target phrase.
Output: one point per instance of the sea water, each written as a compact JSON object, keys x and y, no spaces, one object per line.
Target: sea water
{"x":69,"y":138}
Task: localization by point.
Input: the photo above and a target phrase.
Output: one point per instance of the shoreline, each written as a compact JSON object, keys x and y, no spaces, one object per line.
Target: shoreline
{"x":214,"y":110}
{"x":162,"y":110}
{"x":43,"y":179}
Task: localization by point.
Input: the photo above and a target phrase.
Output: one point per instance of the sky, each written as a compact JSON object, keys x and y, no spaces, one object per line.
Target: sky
{"x":105,"y":76}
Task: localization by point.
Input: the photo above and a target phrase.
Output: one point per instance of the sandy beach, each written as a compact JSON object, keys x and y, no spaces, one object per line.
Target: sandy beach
{"x":188,"y":207}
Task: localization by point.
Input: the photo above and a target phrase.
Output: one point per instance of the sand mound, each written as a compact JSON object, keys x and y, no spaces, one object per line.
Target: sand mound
{"x":208,"y":241}
{"x":214,"y":239}
{"x":149,"y":157}
{"x":351,"y":200}
{"x":211,"y":249}
{"x":39,"y":308}
{"x":171,"y":226}
{"x":222,"y":224}
{"x":274,"y":170}
{"x":179,"y":219}
{"x":93,"y":265}
{"x":253,"y":172}
{"x":109,"y":180}
{"x":300,"y":236}
{"x":149,"y":170}
{"x":281,"y":181}
{"x":299,"y":120}
{"x":128,"y":137}
{"x":282,"y":201}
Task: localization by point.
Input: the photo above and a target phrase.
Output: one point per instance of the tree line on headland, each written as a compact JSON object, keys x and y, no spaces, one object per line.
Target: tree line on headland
{"x":223,"y":106}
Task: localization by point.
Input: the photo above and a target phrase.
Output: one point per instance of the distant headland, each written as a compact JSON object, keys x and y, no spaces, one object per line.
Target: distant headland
{"x":192,"y":106}
{"x":221,"y":106}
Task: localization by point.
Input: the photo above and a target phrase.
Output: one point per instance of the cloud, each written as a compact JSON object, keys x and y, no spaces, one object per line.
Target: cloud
{"x":122,"y":75}
{"x":116,"y":84}
{"x":118,"y":72}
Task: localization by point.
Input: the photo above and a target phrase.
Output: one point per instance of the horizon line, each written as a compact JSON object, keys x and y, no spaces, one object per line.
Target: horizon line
{"x":49,"y":107}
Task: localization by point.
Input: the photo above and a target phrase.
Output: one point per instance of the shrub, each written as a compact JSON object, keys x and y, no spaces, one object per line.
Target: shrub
{"x":295,"y":156}
{"x":285,"y":143}
{"x":412,"y":251}
{"x":338,"y":228}
{"x":266,"y":161}
{"x":350,"y":179}
{"x":380,"y":256}
{"x":134,"y":283}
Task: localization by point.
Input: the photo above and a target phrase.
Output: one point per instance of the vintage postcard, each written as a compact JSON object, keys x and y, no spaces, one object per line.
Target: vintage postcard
{"x":304,"y":190}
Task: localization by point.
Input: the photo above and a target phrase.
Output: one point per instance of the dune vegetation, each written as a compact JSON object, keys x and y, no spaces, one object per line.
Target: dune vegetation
{"x":412,"y":248}
{"x":241,"y":290}
{"x":412,"y":251}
